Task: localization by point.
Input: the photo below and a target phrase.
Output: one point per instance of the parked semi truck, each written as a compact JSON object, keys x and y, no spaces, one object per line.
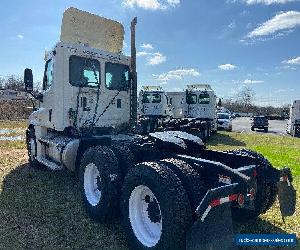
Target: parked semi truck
{"x":171,"y":192}
{"x":293,"y":127}
{"x":192,"y":110}
{"x":154,"y":108}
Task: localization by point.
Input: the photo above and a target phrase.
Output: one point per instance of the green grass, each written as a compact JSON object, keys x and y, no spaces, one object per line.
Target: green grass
{"x":42,"y":209}
{"x":279,"y":150}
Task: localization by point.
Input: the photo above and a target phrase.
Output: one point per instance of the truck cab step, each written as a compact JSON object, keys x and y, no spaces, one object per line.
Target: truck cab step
{"x":49,"y":164}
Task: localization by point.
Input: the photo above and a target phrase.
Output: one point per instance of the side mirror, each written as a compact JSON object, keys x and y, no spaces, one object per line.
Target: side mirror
{"x":28,"y":80}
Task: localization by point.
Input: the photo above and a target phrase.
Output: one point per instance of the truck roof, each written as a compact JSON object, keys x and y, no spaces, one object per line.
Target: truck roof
{"x":152,"y":88}
{"x":89,"y":51}
{"x":201,"y":87}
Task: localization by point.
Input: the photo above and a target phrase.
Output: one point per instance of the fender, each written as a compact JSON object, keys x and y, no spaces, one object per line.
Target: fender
{"x":87,"y":142}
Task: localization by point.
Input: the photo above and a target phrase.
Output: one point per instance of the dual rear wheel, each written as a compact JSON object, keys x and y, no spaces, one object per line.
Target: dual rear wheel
{"x":155,"y":197}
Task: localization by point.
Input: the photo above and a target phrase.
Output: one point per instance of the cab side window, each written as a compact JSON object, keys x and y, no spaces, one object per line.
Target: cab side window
{"x":84,"y":72}
{"x":48,"y":75}
{"x":117,"y":76}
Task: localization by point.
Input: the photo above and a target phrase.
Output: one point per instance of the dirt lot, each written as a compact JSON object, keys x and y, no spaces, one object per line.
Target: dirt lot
{"x":42,"y":209}
{"x":242,"y":125}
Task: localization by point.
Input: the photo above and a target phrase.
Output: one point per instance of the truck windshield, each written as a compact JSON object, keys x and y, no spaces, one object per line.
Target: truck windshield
{"x":151,"y":98}
{"x":203,"y":98}
{"x":117,"y":76}
{"x":191,"y":98}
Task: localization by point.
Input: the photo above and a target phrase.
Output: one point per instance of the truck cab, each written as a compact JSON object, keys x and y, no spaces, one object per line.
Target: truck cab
{"x":154,"y":102}
{"x":86,"y":89}
{"x":200,"y":102}
{"x":79,"y":83}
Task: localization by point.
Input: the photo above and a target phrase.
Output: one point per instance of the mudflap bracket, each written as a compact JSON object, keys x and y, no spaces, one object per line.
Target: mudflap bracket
{"x":213,"y":229}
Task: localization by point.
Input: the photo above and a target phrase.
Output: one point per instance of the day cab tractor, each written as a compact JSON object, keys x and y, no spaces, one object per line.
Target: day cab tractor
{"x":171,"y":191}
{"x":192,"y":110}
{"x":154,"y":109}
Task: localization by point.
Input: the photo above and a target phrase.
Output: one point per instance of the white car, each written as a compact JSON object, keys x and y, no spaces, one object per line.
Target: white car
{"x":224,"y":121}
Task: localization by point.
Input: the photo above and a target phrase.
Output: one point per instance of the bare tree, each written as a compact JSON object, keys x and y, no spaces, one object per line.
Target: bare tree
{"x":12,"y":82}
{"x":245,"y":96}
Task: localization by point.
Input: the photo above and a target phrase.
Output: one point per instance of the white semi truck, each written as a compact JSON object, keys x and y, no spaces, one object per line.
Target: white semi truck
{"x":154,"y":109}
{"x":192,"y":110}
{"x":293,"y":127}
{"x":198,"y":102}
{"x":171,"y":191}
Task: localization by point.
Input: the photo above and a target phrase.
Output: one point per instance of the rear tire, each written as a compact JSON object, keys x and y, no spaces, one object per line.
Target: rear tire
{"x":100,"y":183}
{"x":190,"y":179}
{"x":266,"y":192}
{"x":126,"y":158}
{"x":160,"y":218}
{"x":252,"y":128}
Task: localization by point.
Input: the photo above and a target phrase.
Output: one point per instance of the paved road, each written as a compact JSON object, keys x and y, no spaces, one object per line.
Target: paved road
{"x":242,"y":124}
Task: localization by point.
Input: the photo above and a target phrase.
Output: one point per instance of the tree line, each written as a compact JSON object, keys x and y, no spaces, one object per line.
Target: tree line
{"x":244,"y":103}
{"x":16,"y":82}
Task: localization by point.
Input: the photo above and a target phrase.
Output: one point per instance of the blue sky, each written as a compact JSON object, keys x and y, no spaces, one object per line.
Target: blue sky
{"x":227,"y":43}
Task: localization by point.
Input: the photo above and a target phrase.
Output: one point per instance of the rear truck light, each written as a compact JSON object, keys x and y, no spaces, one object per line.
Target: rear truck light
{"x":241,"y":200}
{"x":251,"y":194}
{"x":254,"y":173}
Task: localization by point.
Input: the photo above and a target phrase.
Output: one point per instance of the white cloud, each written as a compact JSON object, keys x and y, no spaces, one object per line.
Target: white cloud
{"x":142,"y":53}
{"x":157,"y":58}
{"x":285,"y":21}
{"x":147,"y":46}
{"x":152,"y":4}
{"x":248,"y":81}
{"x":152,"y":58}
{"x":227,"y":66}
{"x":176,"y":74}
{"x":269,"y":2}
{"x":173,"y":3}
{"x":21,"y":37}
{"x":293,"y":61}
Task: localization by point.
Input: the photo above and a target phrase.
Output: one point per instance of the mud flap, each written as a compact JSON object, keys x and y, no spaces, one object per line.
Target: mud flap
{"x":213,"y":229}
{"x":286,"y":194}
{"x":215,"y":232}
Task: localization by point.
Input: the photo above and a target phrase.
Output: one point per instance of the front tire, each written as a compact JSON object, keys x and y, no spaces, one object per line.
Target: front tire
{"x":155,"y":207}
{"x":100,"y":183}
{"x":32,"y":148}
